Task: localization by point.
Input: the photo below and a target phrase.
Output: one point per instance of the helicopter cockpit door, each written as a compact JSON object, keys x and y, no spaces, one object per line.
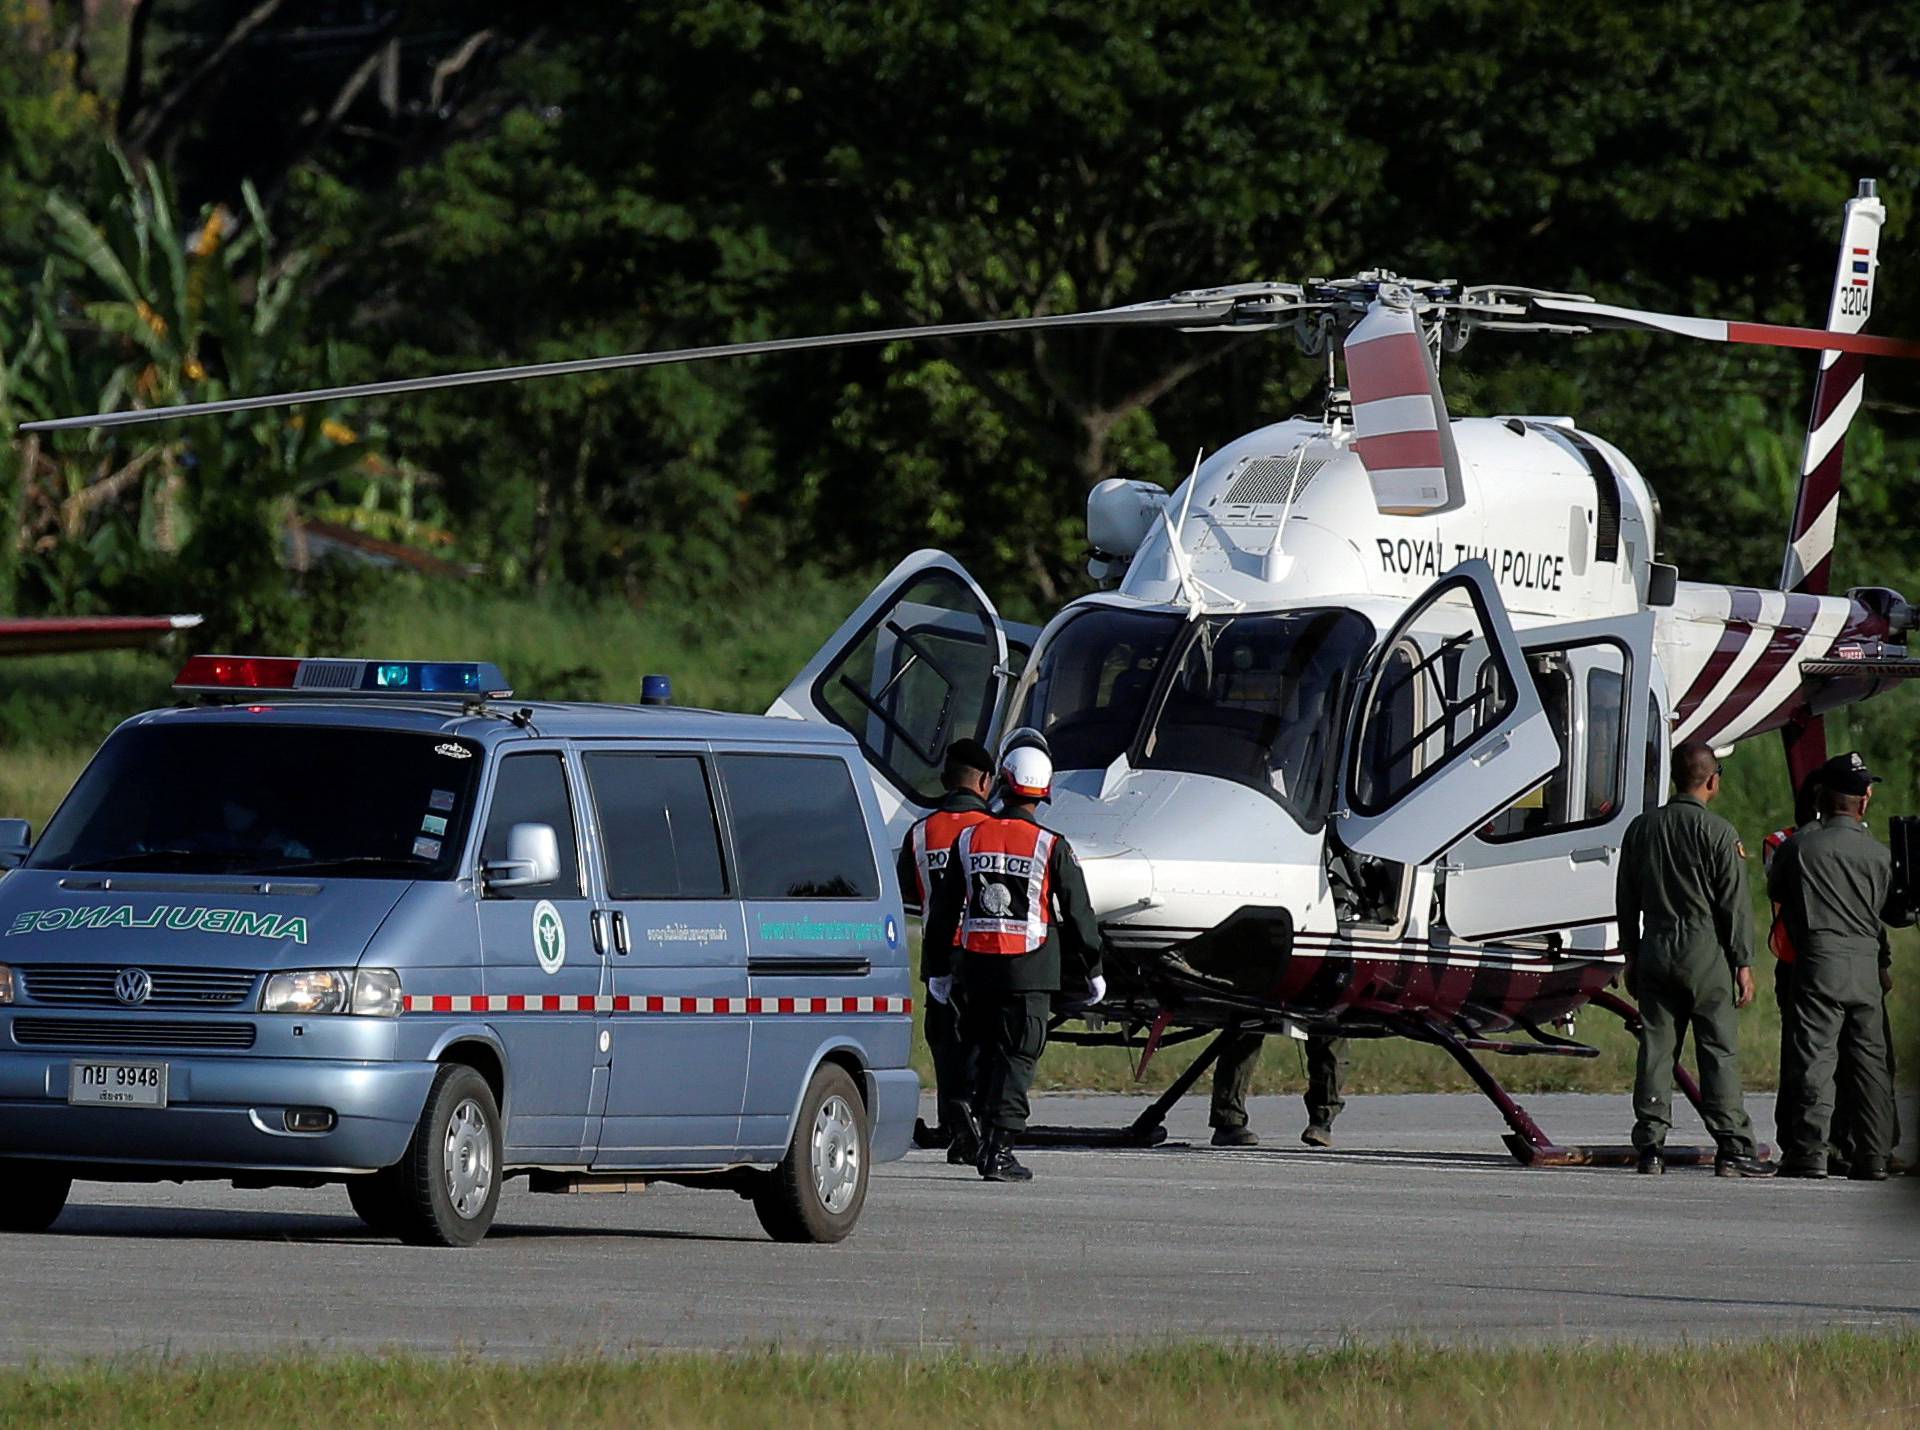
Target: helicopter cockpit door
{"x":1548,"y":861}
{"x":1447,"y":730}
{"x":923,"y":661}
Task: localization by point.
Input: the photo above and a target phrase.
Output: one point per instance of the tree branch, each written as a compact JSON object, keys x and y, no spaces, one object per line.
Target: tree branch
{"x":166,"y":113}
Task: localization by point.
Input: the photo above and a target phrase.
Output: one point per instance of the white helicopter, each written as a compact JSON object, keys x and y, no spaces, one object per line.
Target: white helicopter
{"x":1350,"y":737}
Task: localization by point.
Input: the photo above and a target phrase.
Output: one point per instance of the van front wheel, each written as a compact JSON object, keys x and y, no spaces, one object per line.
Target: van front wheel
{"x":816,"y":1192}
{"x":449,"y":1179}
{"x":31,"y":1196}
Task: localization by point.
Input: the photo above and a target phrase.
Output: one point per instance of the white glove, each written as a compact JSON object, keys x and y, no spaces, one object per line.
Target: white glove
{"x":940,"y":990}
{"x":1096,"y":989}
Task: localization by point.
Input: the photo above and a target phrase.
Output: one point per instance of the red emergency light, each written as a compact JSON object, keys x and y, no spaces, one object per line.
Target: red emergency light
{"x":238,"y":672}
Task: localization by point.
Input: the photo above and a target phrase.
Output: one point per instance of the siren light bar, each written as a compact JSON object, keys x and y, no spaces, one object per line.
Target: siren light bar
{"x":294,"y":675}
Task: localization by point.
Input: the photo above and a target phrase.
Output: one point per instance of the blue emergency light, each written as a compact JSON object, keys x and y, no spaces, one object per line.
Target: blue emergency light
{"x":292,"y":675}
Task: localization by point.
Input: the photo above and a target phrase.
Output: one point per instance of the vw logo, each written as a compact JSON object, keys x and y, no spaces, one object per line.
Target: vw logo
{"x":133,"y":986}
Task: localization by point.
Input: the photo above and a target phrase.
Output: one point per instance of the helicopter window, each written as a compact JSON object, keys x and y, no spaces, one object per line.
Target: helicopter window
{"x":1545,"y":807}
{"x":1091,"y":682}
{"x":1592,"y":743}
{"x":1254,"y":699}
{"x":1606,"y":732}
{"x":920,"y":676}
{"x":1422,"y":709}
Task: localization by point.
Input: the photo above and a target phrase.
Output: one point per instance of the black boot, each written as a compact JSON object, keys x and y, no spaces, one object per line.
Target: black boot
{"x":1652,"y":1163}
{"x":997,"y":1162}
{"x":925,"y":1136}
{"x":963,"y":1147}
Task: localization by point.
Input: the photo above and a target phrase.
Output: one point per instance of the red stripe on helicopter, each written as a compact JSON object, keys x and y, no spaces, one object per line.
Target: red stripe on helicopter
{"x":1393,"y":450}
{"x":1782,"y":645}
{"x":626,"y":1003}
{"x":1391,"y":365}
{"x":1821,"y":340}
{"x":1744,"y":606}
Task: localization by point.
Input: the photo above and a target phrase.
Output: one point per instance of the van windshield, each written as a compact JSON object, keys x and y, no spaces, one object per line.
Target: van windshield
{"x":225,"y":798}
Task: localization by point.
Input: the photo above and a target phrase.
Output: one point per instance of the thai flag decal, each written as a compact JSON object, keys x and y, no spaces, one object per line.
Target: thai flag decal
{"x":1862,"y":267}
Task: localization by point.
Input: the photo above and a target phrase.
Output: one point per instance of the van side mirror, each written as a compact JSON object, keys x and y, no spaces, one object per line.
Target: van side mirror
{"x":16,"y":842}
{"x":533,"y":857}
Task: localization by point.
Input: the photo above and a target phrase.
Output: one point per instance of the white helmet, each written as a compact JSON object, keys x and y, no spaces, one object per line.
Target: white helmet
{"x":1026,"y":737}
{"x":1027,"y":772}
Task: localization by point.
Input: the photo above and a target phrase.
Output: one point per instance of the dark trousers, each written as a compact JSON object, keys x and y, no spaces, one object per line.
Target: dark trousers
{"x":1673,"y":1001}
{"x":1844,"y":1129}
{"x":1836,"y":1033}
{"x":1233,"y":1074}
{"x":1008,"y":1032}
{"x":954,"y":1063}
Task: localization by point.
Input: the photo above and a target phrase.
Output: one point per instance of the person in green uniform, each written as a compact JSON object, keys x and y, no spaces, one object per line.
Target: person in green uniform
{"x":1233,"y":1074}
{"x":1841,"y":1130}
{"x":1686,"y":931}
{"x":966,"y":774}
{"x":1834,"y":885}
{"x":1013,"y":904}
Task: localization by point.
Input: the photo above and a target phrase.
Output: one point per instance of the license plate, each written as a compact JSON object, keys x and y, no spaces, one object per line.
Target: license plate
{"x":91,"y":1084}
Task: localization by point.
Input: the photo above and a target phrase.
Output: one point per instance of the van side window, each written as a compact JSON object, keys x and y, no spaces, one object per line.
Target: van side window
{"x":532,"y":789}
{"x":797,"y":828}
{"x":657,"y":828}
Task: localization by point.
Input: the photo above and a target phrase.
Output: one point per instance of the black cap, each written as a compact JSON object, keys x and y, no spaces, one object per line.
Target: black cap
{"x":970,"y":754}
{"x":1847,"y":774}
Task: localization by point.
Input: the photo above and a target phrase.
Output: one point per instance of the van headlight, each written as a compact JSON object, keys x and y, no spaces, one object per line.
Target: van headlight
{"x":371,"y":992}
{"x":6,"y":984}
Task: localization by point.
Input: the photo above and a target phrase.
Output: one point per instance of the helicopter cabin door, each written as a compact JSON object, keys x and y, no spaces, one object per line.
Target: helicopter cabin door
{"x":922,"y":662}
{"x":1447,"y":731}
{"x":1548,"y":860}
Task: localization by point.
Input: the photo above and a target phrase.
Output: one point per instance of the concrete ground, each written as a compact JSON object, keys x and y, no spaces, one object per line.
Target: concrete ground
{"x":1418,"y":1224}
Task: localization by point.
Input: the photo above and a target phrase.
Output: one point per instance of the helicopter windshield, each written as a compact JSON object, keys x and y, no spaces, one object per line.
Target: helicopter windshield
{"x":1089,"y":685}
{"x":1255,"y":699}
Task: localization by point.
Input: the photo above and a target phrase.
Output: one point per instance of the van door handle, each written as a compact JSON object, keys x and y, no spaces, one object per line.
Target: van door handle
{"x":621,"y":944}
{"x":1602,"y":855}
{"x":599,"y":932}
{"x":1498,"y":747}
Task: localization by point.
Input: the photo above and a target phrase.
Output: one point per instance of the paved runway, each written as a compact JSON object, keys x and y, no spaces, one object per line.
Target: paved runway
{"x":1418,"y":1224}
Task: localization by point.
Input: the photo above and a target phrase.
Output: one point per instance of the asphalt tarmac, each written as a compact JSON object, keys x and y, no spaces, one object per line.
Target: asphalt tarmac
{"x":1418,"y":1224}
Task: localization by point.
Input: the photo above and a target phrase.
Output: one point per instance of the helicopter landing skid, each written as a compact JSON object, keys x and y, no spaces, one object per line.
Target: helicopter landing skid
{"x":1528,"y":1142}
{"x":1149,"y":1129}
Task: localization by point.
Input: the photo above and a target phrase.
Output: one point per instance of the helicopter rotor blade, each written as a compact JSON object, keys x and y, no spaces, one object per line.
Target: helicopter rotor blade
{"x":1721,"y":330}
{"x":1402,"y":432}
{"x":1198,"y":312}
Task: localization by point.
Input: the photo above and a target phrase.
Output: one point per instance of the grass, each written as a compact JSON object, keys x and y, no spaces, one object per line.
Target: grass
{"x":737,"y":651}
{"x":1832,"y":1379}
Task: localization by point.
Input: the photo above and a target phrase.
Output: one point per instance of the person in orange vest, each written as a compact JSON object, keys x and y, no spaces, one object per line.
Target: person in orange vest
{"x":967,"y":774}
{"x":1014,"y":900}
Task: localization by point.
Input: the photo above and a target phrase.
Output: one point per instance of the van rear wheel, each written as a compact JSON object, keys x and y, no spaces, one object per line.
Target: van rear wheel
{"x":32,"y":1196}
{"x":449,"y":1178}
{"x":379,"y":1201}
{"x":816,"y":1192}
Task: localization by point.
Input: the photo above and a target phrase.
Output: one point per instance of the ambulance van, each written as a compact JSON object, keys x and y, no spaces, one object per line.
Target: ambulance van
{"x":376,"y":923}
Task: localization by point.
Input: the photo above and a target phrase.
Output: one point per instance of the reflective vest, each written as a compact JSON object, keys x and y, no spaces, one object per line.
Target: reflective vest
{"x":1778,"y":939}
{"x":1009,"y":892}
{"x":932,"y":840}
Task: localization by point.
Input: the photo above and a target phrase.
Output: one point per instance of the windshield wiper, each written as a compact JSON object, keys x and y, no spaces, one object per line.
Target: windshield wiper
{"x":148,"y":856}
{"x":308,"y":866}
